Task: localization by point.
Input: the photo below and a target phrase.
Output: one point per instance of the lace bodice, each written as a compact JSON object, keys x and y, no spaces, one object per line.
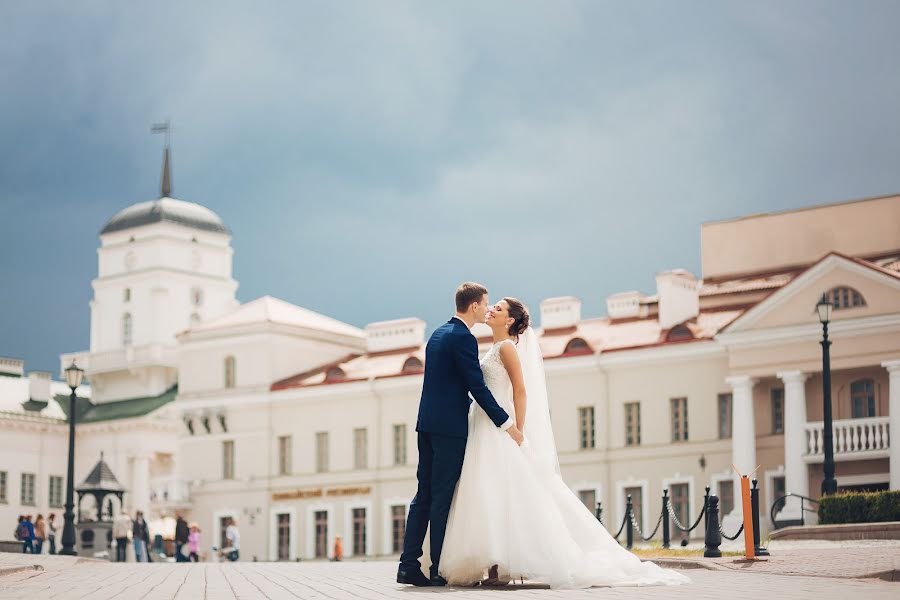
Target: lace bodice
{"x":496,"y":377}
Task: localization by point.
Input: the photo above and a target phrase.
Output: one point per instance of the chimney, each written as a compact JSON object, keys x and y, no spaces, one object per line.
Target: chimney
{"x":624,"y":305}
{"x":39,"y":386}
{"x":394,"y":335}
{"x":558,"y":313}
{"x":679,"y":297}
{"x":12,"y":367}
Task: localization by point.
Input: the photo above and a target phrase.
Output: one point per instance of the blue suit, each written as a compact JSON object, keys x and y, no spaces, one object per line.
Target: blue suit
{"x":451,"y":373}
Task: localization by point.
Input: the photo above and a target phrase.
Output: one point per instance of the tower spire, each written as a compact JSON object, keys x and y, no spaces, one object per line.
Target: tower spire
{"x":165,"y":188}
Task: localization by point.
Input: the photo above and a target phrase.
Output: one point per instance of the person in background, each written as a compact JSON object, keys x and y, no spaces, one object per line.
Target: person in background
{"x":121,"y":526}
{"x":139,"y":536}
{"x":51,"y":533}
{"x":40,"y":534}
{"x":233,"y":538}
{"x":338,"y":549}
{"x":25,"y":534}
{"x":182,"y":532}
{"x":194,"y":542}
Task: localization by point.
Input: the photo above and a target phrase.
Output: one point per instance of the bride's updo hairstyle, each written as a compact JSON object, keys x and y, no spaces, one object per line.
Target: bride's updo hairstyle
{"x":519,"y":313}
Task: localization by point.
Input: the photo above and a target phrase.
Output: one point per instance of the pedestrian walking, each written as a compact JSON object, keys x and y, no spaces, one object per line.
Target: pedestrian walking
{"x":51,"y":532}
{"x":139,"y":537}
{"x":40,"y":534}
{"x":194,"y":543}
{"x":25,"y":534}
{"x":182,"y":533}
{"x":121,"y":527}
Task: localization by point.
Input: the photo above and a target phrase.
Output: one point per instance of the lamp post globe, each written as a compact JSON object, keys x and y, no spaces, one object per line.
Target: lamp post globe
{"x":829,"y":484}
{"x":74,"y":377}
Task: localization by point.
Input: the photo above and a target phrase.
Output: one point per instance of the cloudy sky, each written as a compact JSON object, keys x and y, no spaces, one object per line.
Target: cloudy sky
{"x":369,"y":156}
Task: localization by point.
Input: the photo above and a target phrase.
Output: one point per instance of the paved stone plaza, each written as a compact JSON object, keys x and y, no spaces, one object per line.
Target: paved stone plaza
{"x":64,"y":578}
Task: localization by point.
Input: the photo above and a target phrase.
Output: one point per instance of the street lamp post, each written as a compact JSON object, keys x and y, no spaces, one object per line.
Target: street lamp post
{"x":829,"y":484}
{"x":74,"y":376}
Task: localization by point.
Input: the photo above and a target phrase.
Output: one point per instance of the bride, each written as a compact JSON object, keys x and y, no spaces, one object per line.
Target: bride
{"x":512,"y":512}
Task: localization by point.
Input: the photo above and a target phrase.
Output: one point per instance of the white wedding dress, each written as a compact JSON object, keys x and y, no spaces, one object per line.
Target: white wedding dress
{"x":511,"y":507}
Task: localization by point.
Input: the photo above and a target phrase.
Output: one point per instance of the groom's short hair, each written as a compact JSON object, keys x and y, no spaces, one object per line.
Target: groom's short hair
{"x":468,"y":294}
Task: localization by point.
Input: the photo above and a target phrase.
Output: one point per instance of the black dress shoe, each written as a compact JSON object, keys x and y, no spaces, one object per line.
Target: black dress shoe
{"x":412,"y":577}
{"x":437,"y":580}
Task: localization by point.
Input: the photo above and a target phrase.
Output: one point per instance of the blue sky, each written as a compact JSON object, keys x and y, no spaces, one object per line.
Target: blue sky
{"x":369,"y":156}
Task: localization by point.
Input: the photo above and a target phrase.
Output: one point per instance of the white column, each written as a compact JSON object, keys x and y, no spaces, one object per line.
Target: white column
{"x":140,"y":484}
{"x":796,"y":475}
{"x":743,"y":441}
{"x":893,"y":367}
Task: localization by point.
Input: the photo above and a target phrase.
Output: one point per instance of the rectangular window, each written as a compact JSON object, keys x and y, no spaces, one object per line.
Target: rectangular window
{"x":778,"y":410}
{"x":3,"y":497}
{"x":400,"y":444}
{"x":586,"y":422}
{"x":322,"y":451}
{"x":360,"y":448}
{"x":632,"y":423}
{"x":228,"y":459}
{"x":679,"y":420}
{"x":681,"y":502}
{"x":726,"y":497}
{"x":637,"y":502}
{"x":724,"y":416}
{"x":321,"y":520}
{"x":359,"y":532}
{"x":398,"y":527}
{"x":862,"y":399}
{"x":54,"y":491}
{"x":284,"y":536}
{"x":284,"y":455}
{"x":27,"y":495}
{"x":588,"y":498}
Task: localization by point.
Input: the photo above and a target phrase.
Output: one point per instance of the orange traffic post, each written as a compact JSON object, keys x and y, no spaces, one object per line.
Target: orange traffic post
{"x":747,"y":506}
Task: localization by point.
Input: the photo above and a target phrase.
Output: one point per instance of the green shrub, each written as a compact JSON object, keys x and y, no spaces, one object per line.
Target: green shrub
{"x":860,"y":507}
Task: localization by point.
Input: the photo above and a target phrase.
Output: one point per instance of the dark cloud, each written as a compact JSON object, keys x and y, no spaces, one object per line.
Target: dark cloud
{"x":369,"y":155}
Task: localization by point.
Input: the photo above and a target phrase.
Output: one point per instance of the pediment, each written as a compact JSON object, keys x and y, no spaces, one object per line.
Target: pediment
{"x":795,"y":303}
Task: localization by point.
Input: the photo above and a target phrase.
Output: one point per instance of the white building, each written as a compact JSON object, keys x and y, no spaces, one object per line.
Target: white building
{"x":302,"y":427}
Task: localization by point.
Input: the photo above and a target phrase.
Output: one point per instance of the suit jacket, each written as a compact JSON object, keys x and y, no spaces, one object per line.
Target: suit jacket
{"x":451,"y":373}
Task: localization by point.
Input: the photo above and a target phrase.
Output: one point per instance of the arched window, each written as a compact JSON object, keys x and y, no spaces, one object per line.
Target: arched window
{"x":229,"y":371}
{"x":679,"y":332}
{"x":413,"y":365}
{"x":842,"y":297}
{"x":126,"y":329}
{"x":577,"y":346}
{"x":862,"y":398}
{"x":335,"y":374}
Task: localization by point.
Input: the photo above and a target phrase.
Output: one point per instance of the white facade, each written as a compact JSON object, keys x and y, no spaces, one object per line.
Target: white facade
{"x":303,"y":428}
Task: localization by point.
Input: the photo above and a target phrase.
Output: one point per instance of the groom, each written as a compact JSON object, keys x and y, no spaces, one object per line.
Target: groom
{"x":452,"y":373}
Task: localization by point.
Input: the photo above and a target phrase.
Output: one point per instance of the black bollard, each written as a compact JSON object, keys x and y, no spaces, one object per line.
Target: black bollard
{"x":629,"y":529}
{"x":599,"y":513}
{"x":712,"y":538}
{"x":665,"y":518}
{"x":754,"y":506}
{"x":705,"y":504}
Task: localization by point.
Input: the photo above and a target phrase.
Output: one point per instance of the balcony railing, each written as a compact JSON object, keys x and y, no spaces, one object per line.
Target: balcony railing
{"x":170,"y":492}
{"x":853,"y":439}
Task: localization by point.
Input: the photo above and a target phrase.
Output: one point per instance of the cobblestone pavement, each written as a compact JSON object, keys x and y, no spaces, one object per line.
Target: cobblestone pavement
{"x":69,"y":579}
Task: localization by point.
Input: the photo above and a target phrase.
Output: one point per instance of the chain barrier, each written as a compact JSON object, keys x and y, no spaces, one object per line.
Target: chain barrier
{"x":730,"y":537}
{"x":622,"y":528}
{"x":638,"y":529}
{"x":678,"y":523}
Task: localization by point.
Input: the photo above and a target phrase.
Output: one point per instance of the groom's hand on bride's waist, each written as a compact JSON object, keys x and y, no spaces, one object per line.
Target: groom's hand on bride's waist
{"x":516,"y":435}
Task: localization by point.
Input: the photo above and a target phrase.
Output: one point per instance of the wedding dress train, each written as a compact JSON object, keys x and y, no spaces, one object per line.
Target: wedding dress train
{"x":511,"y":508}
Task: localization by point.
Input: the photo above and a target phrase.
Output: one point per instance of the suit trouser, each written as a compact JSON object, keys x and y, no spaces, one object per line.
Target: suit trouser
{"x":121,"y":544}
{"x":440,"y":463}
